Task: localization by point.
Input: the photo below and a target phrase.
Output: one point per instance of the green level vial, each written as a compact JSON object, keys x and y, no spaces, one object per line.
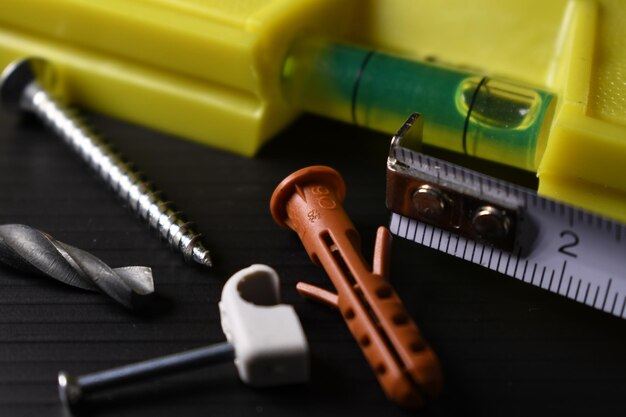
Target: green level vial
{"x":464,"y":112}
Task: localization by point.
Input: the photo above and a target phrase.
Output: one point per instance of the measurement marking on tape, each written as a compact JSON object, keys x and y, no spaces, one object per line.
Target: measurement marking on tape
{"x":551,"y":279}
{"x":569,"y":284}
{"x":606,"y":294}
{"x":474,"y":254}
{"x":439,"y":244}
{"x":432,"y":234}
{"x":543,"y":272}
{"x":506,"y":268}
{"x":490,"y":257}
{"x":532,"y":278}
{"x":593,"y":291}
{"x":516,"y":264}
{"x":614,"y":303}
{"x":558,"y":289}
{"x":595,"y":297}
{"x":499,"y":259}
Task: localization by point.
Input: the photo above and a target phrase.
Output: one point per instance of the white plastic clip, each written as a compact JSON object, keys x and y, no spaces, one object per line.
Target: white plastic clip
{"x":270,"y":346}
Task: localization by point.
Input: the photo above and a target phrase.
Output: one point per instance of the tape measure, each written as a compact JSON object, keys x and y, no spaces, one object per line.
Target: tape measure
{"x":504,"y":227}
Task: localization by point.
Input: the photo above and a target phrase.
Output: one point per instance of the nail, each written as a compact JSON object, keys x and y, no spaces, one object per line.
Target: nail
{"x":72,"y":389}
{"x":264,"y":336}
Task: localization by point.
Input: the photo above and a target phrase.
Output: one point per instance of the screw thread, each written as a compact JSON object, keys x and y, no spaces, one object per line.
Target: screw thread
{"x":127,"y":183}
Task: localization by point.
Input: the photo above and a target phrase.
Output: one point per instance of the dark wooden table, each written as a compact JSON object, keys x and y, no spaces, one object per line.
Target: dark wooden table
{"x":507,"y":348}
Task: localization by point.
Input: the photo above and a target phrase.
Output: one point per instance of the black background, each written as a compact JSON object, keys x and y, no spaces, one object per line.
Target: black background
{"x":507,"y":348}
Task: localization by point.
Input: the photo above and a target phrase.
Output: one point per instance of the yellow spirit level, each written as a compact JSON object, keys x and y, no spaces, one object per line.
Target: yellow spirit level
{"x":216,"y":71}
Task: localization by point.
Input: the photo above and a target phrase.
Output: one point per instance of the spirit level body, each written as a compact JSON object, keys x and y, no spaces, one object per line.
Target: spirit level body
{"x":209,"y":70}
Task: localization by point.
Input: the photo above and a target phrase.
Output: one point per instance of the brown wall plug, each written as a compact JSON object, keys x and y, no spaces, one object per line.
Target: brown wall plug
{"x":309,"y":202}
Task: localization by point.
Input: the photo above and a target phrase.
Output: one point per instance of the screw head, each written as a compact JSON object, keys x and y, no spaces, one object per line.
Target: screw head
{"x":70,"y":391}
{"x":429,"y":202}
{"x":17,"y":76}
{"x":491,"y":223}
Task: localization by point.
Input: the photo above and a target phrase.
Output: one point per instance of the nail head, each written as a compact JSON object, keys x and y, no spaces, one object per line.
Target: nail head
{"x":70,"y":391}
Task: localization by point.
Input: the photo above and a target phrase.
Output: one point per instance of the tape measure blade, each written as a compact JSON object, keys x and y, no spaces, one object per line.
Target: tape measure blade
{"x":598,"y":289}
{"x":543,"y":242}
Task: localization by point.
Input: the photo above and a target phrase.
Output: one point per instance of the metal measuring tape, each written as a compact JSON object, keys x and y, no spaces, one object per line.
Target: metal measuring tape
{"x":504,"y":227}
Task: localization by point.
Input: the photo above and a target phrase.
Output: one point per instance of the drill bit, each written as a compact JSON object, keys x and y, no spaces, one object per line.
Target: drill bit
{"x":22,"y":89}
{"x":30,"y":250}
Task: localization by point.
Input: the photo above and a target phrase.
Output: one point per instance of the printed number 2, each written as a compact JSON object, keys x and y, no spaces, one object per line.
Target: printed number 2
{"x":574,"y":241}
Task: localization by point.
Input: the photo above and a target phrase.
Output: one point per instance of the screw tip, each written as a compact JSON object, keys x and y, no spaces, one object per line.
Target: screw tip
{"x":206,"y":261}
{"x":201,"y":255}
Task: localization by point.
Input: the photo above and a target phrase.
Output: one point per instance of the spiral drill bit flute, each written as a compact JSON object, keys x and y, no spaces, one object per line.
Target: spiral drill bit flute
{"x":22,"y":89}
{"x":33,"y":251}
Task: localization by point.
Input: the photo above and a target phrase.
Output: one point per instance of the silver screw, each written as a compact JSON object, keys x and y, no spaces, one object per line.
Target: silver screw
{"x":21,"y":90}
